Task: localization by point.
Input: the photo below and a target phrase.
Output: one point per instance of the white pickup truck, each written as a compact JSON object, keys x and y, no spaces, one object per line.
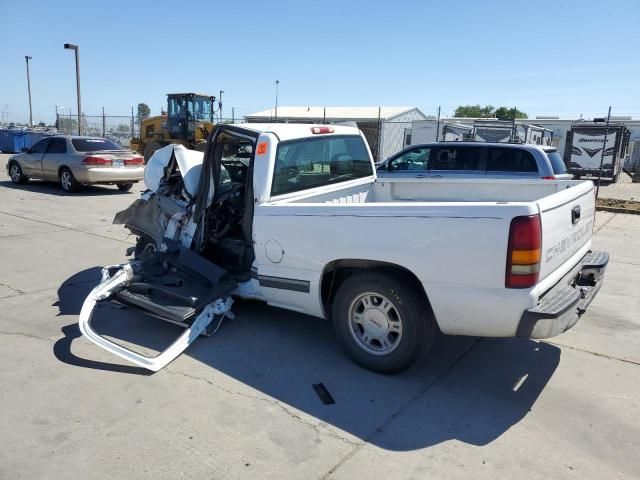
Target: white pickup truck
{"x":294,"y":215}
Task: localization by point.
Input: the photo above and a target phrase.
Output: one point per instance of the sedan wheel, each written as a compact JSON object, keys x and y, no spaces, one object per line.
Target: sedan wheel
{"x":15,"y":173}
{"x":67,"y":181}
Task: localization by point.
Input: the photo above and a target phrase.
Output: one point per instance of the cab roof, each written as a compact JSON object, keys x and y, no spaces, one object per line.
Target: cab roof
{"x":292,"y":131}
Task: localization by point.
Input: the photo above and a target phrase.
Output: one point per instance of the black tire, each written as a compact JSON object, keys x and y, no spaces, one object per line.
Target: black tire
{"x":67,"y":181}
{"x":418,"y":326}
{"x":16,"y":175}
{"x":124,"y":187}
{"x":150,"y":148}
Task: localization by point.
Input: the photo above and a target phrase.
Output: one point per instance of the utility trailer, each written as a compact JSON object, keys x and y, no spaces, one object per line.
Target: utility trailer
{"x":596,"y":149}
{"x":510,"y":132}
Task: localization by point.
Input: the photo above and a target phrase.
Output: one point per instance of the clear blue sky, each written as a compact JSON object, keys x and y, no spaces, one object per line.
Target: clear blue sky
{"x":546,"y":57}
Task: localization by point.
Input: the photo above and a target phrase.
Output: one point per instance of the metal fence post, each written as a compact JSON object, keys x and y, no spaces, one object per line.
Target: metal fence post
{"x":438,"y":125}
{"x":104,"y":129}
{"x":132,"y":124}
{"x":604,"y":147}
{"x":379,"y":132}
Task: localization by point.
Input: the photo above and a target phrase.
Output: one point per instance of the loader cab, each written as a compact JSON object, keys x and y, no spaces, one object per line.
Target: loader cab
{"x":184,"y":111}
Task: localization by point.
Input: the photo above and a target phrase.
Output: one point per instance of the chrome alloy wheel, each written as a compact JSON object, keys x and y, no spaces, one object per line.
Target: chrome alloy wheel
{"x":375,"y":323}
{"x":66,"y":180}
{"x":14,"y":173}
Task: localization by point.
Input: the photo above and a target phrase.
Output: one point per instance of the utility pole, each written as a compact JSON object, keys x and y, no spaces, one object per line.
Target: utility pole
{"x":27,"y":58}
{"x":437,"y":125}
{"x":220,"y":105}
{"x":277,"y":83}
{"x":70,"y":46}
{"x":104,"y":130}
{"x":233,"y":115}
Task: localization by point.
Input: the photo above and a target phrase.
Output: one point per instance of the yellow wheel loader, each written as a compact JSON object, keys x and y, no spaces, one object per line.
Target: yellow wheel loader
{"x":188,"y":121}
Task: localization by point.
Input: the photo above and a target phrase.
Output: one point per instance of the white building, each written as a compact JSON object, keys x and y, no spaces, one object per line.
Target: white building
{"x":385,"y":128}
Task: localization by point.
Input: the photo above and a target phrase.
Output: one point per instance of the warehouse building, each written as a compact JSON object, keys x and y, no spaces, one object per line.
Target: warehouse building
{"x":384,"y":127}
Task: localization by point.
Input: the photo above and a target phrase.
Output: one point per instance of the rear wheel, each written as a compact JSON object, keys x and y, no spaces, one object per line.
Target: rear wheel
{"x":382,"y":322}
{"x":68,"y":181}
{"x":16,"y":175}
{"x":124,"y":187}
{"x":150,"y":149}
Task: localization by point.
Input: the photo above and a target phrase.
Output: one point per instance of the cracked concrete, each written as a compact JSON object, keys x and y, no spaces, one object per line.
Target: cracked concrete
{"x":240,"y":404}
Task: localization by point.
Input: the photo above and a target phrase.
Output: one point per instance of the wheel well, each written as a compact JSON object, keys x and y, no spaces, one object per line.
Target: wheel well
{"x":337,"y":271}
{"x":62,"y":167}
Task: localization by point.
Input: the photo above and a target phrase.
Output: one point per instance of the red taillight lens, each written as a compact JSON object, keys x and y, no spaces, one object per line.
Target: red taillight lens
{"x":96,"y":161}
{"x":549,"y":178}
{"x":322,"y":130}
{"x":524,"y":252}
{"x":134,"y":161}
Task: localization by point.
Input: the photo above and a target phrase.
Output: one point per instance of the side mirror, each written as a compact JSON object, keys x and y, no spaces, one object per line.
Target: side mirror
{"x":24,"y":150}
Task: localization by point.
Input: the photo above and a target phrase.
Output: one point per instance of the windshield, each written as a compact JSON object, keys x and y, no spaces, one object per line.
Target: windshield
{"x":93,"y":144}
{"x":198,"y":108}
{"x":313,"y":162}
{"x":556,"y":162}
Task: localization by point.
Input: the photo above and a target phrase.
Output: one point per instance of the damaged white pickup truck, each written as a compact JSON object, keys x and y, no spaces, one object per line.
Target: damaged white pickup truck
{"x":294,"y":215}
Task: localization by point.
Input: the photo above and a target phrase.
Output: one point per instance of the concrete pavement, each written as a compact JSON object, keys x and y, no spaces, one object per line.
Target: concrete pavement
{"x":240,"y":404}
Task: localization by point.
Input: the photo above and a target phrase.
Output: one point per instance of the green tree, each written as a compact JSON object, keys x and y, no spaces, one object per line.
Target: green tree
{"x":505,"y":113}
{"x":474,"y":111}
{"x":42,"y":124}
{"x":143,"y":112}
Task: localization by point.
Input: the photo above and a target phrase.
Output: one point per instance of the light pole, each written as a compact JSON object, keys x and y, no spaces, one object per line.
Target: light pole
{"x":27,"y":58}
{"x":220,"y":105}
{"x":70,"y":46}
{"x":277,"y":83}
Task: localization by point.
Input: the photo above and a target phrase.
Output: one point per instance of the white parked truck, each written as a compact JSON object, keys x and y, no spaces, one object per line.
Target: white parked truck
{"x":294,"y":215}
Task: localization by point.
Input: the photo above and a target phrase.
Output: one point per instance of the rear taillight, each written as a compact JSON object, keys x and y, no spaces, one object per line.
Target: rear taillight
{"x":96,"y":161}
{"x":549,"y":178}
{"x":524,"y":252}
{"x":134,"y":161}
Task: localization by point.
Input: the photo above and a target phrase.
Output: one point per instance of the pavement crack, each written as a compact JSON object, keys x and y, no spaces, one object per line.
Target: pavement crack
{"x":17,"y":290}
{"x":273,"y":402}
{"x":65,"y":227}
{"x":603,"y":355}
{"x":605,"y":223}
{"x":26,"y":335}
{"x":399,"y":411}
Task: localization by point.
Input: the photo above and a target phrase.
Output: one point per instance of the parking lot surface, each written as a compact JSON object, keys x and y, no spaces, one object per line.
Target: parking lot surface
{"x":240,"y":404}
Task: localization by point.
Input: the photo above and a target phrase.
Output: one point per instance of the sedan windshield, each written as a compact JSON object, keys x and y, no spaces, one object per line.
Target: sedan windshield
{"x":93,"y":144}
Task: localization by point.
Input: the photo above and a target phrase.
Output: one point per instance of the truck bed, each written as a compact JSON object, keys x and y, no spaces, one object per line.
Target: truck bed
{"x":452,"y":234}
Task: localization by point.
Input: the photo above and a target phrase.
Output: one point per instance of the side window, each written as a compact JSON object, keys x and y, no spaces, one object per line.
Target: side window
{"x":511,"y":160}
{"x":41,"y":146}
{"x":457,"y":158}
{"x":58,"y":145}
{"x":414,"y":159}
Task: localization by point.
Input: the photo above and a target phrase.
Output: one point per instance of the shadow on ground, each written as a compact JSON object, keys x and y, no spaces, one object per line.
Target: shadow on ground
{"x":52,"y":188}
{"x":465,"y":389}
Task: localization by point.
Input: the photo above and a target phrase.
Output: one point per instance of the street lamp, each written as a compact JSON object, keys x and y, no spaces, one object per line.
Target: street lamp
{"x":277,"y":83}
{"x":70,"y":46}
{"x":27,"y":58}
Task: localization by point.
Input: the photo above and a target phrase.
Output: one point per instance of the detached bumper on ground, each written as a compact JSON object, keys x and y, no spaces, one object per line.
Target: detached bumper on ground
{"x":561,"y":307}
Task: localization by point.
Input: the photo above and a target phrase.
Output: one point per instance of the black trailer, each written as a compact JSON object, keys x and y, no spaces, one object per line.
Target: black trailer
{"x":596,"y":149}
